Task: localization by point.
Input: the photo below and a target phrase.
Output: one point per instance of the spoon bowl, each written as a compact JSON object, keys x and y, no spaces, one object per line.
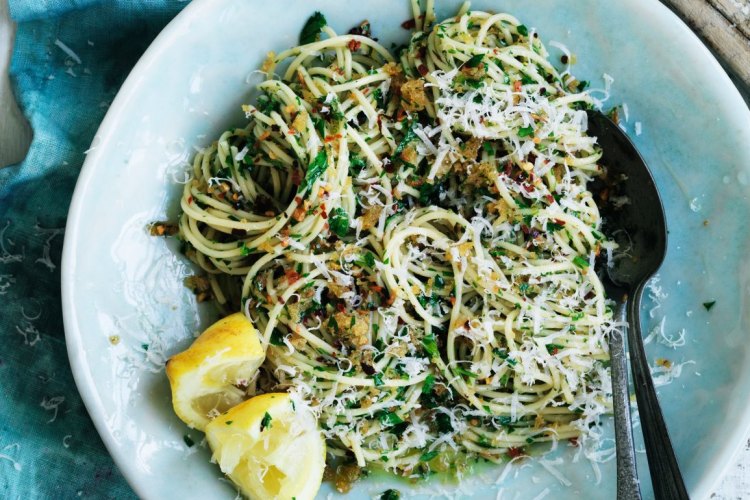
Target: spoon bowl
{"x":634,"y":218}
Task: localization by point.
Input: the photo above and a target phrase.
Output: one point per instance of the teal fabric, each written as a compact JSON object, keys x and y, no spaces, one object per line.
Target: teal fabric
{"x":48,"y":445}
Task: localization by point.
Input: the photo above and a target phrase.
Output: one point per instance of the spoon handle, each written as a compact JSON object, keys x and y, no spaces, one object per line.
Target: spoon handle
{"x":628,"y":487}
{"x":662,"y":463}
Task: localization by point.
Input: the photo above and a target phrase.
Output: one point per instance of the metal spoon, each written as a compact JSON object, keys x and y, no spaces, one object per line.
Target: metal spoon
{"x":638,"y":225}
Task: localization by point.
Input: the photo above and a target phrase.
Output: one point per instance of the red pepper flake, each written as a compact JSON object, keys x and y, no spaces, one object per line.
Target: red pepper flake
{"x":410,"y":24}
{"x":508,"y":168}
{"x":354,"y":45}
{"x":517,"y":86}
{"x":525,"y":229}
{"x":573,"y":441}
{"x":298,"y":200}
{"x":550,"y":199}
{"x":515,"y":452}
{"x":422,"y":69}
{"x":190,"y":200}
{"x":558,"y":221}
{"x":293,"y":276}
{"x":332,"y":138}
{"x":340,"y":307}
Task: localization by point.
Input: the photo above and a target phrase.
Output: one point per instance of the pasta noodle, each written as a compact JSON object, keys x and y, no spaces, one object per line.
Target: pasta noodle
{"x":414,"y":238}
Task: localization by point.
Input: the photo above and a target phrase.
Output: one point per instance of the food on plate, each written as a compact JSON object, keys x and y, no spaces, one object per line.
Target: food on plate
{"x":211,"y":376}
{"x":270,"y":447}
{"x":412,"y":235}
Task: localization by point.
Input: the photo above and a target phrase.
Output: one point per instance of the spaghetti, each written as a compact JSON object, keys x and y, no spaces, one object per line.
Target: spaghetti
{"x":415,"y":240}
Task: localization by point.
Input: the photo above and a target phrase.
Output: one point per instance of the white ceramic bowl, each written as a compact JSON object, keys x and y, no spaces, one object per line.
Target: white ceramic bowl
{"x":126,"y":309}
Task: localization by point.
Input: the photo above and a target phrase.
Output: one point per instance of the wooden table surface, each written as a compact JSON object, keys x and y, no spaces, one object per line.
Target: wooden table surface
{"x":724,"y":25}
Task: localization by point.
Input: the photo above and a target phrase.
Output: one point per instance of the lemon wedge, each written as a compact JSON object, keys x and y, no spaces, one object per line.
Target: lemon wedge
{"x":269,"y":448}
{"x":209,"y":377}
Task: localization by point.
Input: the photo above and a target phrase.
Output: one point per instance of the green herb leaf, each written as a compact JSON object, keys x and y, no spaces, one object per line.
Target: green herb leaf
{"x":266,"y":422}
{"x":390,"y":494}
{"x":379,"y":98}
{"x":428,"y":384}
{"x":553,"y":348}
{"x":389,"y":418}
{"x":484,"y":442}
{"x":475,"y":61}
{"x":430,"y":345}
{"x":463,"y":371}
{"x":244,"y":250}
{"x":311,"y":31}
{"x":472,"y":82}
{"x":439,"y":281}
{"x":443,"y":422}
{"x":378,"y":380}
{"x":525,"y":131}
{"x":356,"y":163}
{"x":709,"y":305}
{"x":338,"y":222}
{"x":522,"y":30}
{"x":267,"y":103}
{"x":229,"y":422}
{"x":409,"y":136}
{"x":580,"y":262}
{"x":188,"y":440}
{"x":277,"y":338}
{"x":333,"y":324}
{"x":501,"y":353}
{"x":369,"y":260}
{"x":315,"y":170}
{"x":426,"y":457}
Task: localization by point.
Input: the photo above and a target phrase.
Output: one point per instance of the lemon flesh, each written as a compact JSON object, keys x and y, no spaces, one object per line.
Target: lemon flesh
{"x":210,"y":377}
{"x":269,"y":448}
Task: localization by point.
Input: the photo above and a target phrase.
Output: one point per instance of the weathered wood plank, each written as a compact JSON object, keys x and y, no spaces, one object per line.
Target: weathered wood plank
{"x":737,"y":12}
{"x":725,"y":38}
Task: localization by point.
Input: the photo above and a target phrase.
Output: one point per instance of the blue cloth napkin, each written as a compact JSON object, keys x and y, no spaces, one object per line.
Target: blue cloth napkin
{"x":70,"y":58}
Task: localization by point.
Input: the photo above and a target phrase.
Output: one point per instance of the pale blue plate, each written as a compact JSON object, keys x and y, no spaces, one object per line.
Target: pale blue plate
{"x":126,"y":309}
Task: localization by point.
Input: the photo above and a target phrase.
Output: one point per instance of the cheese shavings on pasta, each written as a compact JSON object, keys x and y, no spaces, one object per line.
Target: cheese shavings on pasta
{"x":414,"y":238}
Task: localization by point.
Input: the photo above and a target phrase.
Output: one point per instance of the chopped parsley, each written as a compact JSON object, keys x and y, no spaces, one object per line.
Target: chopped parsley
{"x":430,"y":345}
{"x":315,"y":170}
{"x":580,"y":262}
{"x":265,"y":423}
{"x":525,"y":131}
{"x":338,"y":221}
{"x":390,"y":494}
{"x":311,"y":31}
{"x":475,"y":61}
